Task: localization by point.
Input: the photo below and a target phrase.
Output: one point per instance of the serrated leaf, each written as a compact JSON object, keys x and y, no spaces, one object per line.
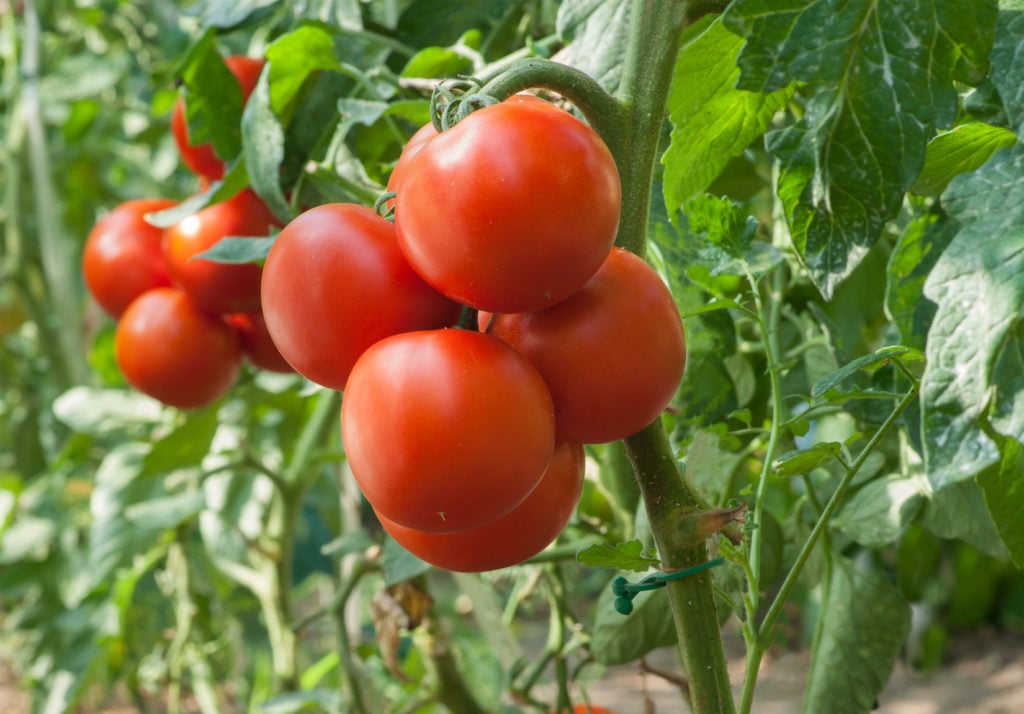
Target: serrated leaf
{"x":238,"y":249}
{"x":596,"y":31}
{"x":959,"y":151}
{"x":1003,"y":490}
{"x":867,"y":622}
{"x":213,"y":99}
{"x":624,"y":556}
{"x":867,"y":363}
{"x":878,"y":512}
{"x":617,"y":639}
{"x":878,"y":82}
{"x":712,"y":120}
{"x":978,"y":287}
{"x":803,"y":461}
{"x":1007,"y":74}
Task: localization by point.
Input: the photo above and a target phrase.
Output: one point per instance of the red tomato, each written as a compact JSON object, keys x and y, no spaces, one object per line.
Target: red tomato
{"x":511,"y":210}
{"x":220,"y":288}
{"x":416,"y":142}
{"x":257,"y":343}
{"x":169,"y":349}
{"x":202,"y":159}
{"x":334,"y":283}
{"x":446,"y":429}
{"x":518,"y":535}
{"x":612,"y":354}
{"x":122,"y":257}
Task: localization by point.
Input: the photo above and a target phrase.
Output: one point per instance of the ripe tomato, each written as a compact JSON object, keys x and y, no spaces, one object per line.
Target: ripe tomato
{"x":518,"y":535}
{"x":122,"y":257}
{"x":171,"y":350}
{"x":446,"y":429}
{"x":612,"y":354}
{"x":334,"y":283}
{"x":512,"y":209}
{"x":202,"y":159}
{"x":416,"y":142}
{"x":220,"y":288}
{"x":257,"y":343}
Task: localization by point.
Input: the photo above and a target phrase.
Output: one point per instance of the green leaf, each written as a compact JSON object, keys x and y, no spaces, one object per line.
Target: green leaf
{"x":910,"y":263}
{"x":228,"y":15}
{"x":865,"y":627}
{"x":159,"y":514}
{"x":618,"y":639}
{"x":185,"y":446}
{"x":263,"y":149}
{"x":102,"y":411}
{"x":959,"y":151}
{"x":803,"y":461}
{"x":436,"y":62}
{"x":959,"y":512}
{"x":213,"y":99}
{"x":867,"y":363}
{"x":978,"y":287}
{"x":710,"y":467}
{"x":878,"y":512}
{"x":712,"y":120}
{"x":293,"y":58}
{"x":1003,"y":489}
{"x":236,"y":179}
{"x":1007,"y":74}
{"x":730,"y":230}
{"x":238,"y":249}
{"x":878,"y":82}
{"x":399,"y":564}
{"x":624,"y":556}
{"x":597,"y":32}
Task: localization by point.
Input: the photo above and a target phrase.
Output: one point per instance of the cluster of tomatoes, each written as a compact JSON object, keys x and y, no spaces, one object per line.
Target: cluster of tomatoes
{"x":467,"y":440}
{"x":184,"y":324}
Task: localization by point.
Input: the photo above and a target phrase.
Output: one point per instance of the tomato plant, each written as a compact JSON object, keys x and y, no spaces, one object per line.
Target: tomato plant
{"x":171,"y":350}
{"x":446,"y":430}
{"x":472,"y":221}
{"x":512,"y":538}
{"x":123,"y":255}
{"x":202,"y":158}
{"x":220,"y":288}
{"x":612,"y":353}
{"x":334,"y":283}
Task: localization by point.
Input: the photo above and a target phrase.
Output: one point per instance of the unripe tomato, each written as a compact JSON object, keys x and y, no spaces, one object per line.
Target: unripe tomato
{"x":257,"y":344}
{"x":612,"y":354}
{"x":334,"y":283}
{"x":446,"y":429}
{"x":171,"y":350}
{"x":512,"y":209}
{"x":518,"y":535}
{"x":219,"y":288}
{"x":123,"y":257}
{"x":202,"y":159}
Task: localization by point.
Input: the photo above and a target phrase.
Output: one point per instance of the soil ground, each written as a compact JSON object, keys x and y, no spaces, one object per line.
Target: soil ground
{"x":984,"y":674}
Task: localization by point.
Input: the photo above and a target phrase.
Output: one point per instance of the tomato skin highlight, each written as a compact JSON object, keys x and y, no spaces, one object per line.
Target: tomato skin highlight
{"x":171,"y":350}
{"x":202,"y":159}
{"x":446,"y":429}
{"x":257,"y":343}
{"x":334,"y":283}
{"x":123,"y":255}
{"x":612,"y":354}
{"x":512,"y":209}
{"x":518,"y":535}
{"x":219,"y":288}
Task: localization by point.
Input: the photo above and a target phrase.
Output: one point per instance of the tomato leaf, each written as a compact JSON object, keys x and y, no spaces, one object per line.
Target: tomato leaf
{"x":1007,"y":73}
{"x":616,"y":639}
{"x":213,"y":99}
{"x":596,"y":31}
{"x":867,"y":363}
{"x":802,"y":461}
{"x":1003,"y":489}
{"x":624,"y":556}
{"x":975,"y":340}
{"x":858,"y":645}
{"x":878,"y":512}
{"x":958,"y":512}
{"x":878,"y":82}
{"x":958,"y":151}
{"x":226,"y":16}
{"x":712,"y":120}
{"x":234,"y":181}
{"x":238,"y":249}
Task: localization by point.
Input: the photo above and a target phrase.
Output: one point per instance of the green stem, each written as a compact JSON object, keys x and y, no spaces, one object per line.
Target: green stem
{"x":766,"y":630}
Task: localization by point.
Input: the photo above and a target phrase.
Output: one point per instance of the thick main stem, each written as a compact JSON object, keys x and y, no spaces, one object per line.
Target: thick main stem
{"x":656,"y":26}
